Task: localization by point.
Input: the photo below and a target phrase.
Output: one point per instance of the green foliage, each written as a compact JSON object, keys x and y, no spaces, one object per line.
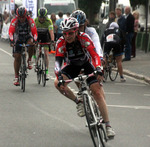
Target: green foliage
{"x":90,"y":7}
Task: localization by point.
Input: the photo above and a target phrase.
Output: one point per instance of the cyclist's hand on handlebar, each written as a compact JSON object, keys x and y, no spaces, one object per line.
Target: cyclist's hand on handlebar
{"x":61,"y":82}
{"x":99,"y":74}
{"x":36,"y":43}
{"x":12,"y":43}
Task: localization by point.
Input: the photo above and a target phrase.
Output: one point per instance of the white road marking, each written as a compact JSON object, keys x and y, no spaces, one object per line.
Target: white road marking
{"x":56,"y":118}
{"x":5,"y":52}
{"x":127,"y":84}
{"x":146,"y":94}
{"x":148,"y":135}
{"x":131,"y":107}
{"x":112,"y":93}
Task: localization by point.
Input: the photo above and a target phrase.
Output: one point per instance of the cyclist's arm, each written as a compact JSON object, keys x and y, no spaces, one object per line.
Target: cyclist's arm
{"x":12,"y":29}
{"x":58,"y":64}
{"x":50,"y":28}
{"x":95,"y":38}
{"x":59,"y":56}
{"x":91,"y":49}
{"x":33,"y":28}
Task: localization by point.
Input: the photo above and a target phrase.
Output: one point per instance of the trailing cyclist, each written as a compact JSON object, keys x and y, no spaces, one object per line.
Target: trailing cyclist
{"x":43,"y":22}
{"x":83,"y":27}
{"x":113,"y":39}
{"x":20,"y":30}
{"x":76,"y":47}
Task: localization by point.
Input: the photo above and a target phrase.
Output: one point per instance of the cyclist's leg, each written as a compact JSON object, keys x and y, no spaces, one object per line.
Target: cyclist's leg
{"x":118,"y":52}
{"x":98,"y":94}
{"x":17,"y":62}
{"x":68,"y":72}
{"x":107,"y":49}
{"x":46,"y":50}
{"x":30,"y":51}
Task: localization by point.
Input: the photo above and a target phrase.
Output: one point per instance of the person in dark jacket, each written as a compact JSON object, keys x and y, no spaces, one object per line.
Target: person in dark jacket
{"x":129,"y":33}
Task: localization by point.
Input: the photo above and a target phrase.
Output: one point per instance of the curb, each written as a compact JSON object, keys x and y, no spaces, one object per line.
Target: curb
{"x":137,"y":76}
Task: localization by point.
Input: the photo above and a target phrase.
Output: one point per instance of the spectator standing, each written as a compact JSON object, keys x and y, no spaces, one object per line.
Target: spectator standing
{"x":136,"y":25}
{"x":120,"y":19}
{"x":53,"y":18}
{"x":129,"y":33}
{"x":68,"y":14}
{"x":112,"y":17}
{"x":58,"y":21}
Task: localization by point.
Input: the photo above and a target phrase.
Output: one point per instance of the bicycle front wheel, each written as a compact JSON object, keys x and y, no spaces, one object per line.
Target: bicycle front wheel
{"x":92,"y":125}
{"x":23,"y":75}
{"x":113,"y":72}
{"x":43,"y":70}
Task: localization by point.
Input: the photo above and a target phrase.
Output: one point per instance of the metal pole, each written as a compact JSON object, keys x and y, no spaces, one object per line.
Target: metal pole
{"x":146,"y":40}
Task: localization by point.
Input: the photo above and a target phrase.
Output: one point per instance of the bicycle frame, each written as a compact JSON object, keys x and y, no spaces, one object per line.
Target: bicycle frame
{"x":98,"y":140}
{"x":41,"y":63}
{"x":23,"y":66}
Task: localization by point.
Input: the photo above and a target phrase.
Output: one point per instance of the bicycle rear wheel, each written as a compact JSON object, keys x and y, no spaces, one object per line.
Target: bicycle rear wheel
{"x":113,"y":72}
{"x":92,"y":125}
{"x":43,"y":70}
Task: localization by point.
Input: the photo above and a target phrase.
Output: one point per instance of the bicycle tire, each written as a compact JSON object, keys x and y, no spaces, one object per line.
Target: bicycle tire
{"x":102,"y":131}
{"x":113,"y":71}
{"x":93,"y":129}
{"x":23,"y":73}
{"x":43,"y":70}
{"x":105,"y":74}
{"x":39,"y":70}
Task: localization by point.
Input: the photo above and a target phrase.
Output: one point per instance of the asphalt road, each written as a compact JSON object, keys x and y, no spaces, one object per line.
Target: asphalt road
{"x":41,"y":117}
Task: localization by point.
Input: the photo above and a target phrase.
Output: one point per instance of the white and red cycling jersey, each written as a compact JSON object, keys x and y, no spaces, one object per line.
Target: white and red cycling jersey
{"x":16,"y":25}
{"x":76,"y":53}
{"x":95,"y":38}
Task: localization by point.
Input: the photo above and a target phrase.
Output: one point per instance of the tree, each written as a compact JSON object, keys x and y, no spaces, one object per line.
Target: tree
{"x":134,"y":3}
{"x":90,"y":7}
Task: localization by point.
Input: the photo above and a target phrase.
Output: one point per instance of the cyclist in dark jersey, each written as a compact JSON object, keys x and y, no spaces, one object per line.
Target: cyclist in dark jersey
{"x":45,"y":32}
{"x":78,"y":48}
{"x":22,"y":30}
{"x":113,"y":38}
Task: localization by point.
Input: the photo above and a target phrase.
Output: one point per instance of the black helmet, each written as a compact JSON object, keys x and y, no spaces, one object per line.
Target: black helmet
{"x":42,"y":12}
{"x":21,"y":11}
{"x":80,"y":16}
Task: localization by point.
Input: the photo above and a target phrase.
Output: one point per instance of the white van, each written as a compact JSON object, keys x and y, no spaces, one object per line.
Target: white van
{"x":54,"y":6}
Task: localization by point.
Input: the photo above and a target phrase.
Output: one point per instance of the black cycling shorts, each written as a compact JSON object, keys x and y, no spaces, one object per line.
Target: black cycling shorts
{"x":43,"y":38}
{"x":72,"y":71}
{"x":117,"y":49}
{"x":21,"y":40}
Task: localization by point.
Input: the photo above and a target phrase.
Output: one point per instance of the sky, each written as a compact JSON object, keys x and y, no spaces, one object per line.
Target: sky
{"x":124,"y":2}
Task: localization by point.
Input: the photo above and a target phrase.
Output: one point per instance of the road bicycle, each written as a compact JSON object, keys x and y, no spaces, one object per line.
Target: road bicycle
{"x":40,"y":62}
{"x":23,"y":67}
{"x":94,"y":119}
{"x":110,"y":67}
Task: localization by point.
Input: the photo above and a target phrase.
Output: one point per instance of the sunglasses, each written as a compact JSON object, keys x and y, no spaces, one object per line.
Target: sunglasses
{"x":70,"y":33}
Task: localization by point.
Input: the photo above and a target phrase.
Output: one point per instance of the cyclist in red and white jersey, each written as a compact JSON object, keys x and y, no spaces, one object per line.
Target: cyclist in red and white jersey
{"x":78,"y":48}
{"x":20,"y":30}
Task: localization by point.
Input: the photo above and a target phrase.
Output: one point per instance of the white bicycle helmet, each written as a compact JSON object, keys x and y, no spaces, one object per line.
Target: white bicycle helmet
{"x":69,"y":23}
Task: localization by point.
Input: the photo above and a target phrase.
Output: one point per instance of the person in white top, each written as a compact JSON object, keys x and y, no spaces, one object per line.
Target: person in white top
{"x":81,"y":17}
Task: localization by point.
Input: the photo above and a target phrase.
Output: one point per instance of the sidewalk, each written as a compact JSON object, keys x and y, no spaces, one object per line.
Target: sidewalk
{"x":138,"y":67}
